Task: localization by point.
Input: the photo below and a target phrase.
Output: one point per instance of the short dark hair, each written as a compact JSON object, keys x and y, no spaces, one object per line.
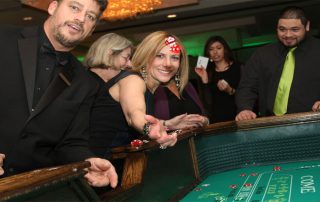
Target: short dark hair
{"x":102,"y":3}
{"x":294,"y":12}
{"x":228,"y":56}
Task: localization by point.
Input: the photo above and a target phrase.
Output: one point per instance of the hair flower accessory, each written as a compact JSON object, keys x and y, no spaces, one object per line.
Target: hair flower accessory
{"x":171,"y":42}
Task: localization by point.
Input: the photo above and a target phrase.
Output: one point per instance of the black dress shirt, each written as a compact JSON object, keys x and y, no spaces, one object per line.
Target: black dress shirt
{"x":49,"y":65}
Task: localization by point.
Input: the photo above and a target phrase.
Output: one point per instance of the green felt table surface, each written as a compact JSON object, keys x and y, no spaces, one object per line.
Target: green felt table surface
{"x":288,"y":182}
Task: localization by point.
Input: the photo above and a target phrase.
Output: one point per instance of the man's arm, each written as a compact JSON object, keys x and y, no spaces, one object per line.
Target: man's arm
{"x":74,"y":146}
{"x":2,"y":156}
{"x":248,"y":89}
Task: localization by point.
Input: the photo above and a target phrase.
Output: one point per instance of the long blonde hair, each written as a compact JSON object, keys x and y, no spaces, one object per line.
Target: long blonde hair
{"x":148,"y":49}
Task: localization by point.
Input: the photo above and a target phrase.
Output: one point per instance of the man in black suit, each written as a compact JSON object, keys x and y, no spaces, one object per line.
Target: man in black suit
{"x":46,"y":94}
{"x":261,"y":74}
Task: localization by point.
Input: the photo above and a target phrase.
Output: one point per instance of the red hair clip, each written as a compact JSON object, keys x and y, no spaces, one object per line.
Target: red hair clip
{"x":171,"y":42}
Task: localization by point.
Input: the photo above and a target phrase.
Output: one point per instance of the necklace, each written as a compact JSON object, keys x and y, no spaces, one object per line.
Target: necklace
{"x":222,"y":69}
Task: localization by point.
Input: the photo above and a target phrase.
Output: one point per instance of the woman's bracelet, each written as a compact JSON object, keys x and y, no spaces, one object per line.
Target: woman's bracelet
{"x":164,"y":123}
{"x":146,"y":129}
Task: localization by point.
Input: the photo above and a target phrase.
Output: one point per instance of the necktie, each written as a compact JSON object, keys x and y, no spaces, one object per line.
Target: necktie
{"x":282,"y":97}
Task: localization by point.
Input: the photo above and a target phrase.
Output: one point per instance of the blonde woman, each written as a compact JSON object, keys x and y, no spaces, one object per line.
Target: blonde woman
{"x":159,"y":58}
{"x":162,"y":60}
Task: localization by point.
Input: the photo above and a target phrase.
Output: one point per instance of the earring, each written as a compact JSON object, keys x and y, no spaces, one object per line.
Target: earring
{"x":144,"y":74}
{"x":177,"y":79}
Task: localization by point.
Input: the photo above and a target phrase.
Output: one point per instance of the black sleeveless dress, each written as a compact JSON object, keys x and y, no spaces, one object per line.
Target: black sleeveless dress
{"x":108,"y":125}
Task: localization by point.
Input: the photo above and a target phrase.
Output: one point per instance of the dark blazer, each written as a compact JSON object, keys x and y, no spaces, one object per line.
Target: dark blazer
{"x":53,"y":133}
{"x":261,"y":76}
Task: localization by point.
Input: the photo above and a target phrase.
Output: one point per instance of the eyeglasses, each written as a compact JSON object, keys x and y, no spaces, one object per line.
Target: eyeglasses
{"x":126,"y":58}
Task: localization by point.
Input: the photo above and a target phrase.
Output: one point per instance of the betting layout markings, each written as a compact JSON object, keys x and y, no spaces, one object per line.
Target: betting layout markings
{"x":245,"y":184}
{"x":254,"y":186}
{"x":270,"y":178}
{"x":270,"y":175}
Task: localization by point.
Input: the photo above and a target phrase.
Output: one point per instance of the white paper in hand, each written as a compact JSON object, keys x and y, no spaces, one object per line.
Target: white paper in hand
{"x":202,"y":61}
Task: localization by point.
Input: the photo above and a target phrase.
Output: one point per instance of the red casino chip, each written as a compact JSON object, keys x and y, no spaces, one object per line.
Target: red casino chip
{"x":254,"y":174}
{"x":248,"y":185}
{"x":233,"y":186}
{"x":277,"y":168}
{"x":136,"y":143}
{"x":242,"y":175}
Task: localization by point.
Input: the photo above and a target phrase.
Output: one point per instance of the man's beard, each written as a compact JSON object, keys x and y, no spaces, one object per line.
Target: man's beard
{"x":298,"y":42}
{"x":63,"y":40}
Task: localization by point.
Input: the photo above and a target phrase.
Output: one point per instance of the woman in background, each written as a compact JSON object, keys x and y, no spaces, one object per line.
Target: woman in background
{"x":220,"y":80}
{"x":106,"y":60}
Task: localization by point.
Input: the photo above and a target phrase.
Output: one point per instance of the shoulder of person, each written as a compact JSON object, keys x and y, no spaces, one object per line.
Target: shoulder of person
{"x":269,"y":47}
{"x":313,"y":40}
{"x":126,"y":73}
{"x":267,"y":50}
{"x":81,"y":73}
{"x":132,"y":84}
{"x":8,"y":28}
{"x":132,"y":78}
{"x":7,"y":31}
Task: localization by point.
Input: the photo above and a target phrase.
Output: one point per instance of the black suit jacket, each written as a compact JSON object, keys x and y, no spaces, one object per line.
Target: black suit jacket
{"x":56,"y":131}
{"x":261,"y":76}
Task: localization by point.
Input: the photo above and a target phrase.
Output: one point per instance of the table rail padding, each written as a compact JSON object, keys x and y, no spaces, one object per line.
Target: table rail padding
{"x":165,"y":175}
{"x":61,"y":183}
{"x":266,"y":140}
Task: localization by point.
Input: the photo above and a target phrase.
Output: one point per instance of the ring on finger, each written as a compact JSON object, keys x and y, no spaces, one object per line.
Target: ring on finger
{"x":162,"y":146}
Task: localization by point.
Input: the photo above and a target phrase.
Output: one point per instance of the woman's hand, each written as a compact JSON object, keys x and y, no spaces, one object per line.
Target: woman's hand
{"x":157,"y":132}
{"x":202,"y":73}
{"x":225,"y":87}
{"x":186,"y":121}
